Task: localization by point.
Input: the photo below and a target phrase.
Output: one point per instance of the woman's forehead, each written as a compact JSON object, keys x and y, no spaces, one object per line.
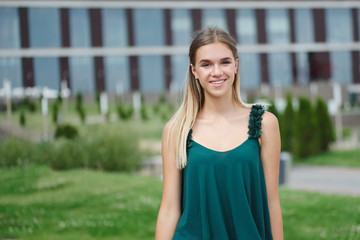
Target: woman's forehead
{"x":213,"y":51}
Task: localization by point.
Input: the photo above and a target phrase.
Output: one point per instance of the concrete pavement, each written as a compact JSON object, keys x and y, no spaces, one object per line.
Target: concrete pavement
{"x":325,"y":179}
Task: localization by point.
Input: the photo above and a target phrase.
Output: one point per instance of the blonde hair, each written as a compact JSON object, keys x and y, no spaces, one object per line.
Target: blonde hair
{"x":193,"y":99}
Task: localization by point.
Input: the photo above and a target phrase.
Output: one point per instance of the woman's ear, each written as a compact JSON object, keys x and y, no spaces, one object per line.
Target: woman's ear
{"x":193,"y":70}
{"x":236,"y":64}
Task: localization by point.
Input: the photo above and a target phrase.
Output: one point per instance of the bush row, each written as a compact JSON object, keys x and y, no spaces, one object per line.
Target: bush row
{"x":307,"y":131}
{"x":110,"y":152}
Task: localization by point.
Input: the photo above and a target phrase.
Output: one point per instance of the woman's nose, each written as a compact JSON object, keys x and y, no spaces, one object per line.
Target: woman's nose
{"x":216,"y":70}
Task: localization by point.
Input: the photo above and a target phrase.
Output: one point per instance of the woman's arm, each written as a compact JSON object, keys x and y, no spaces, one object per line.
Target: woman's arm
{"x":270,"y":156}
{"x":170,"y":208}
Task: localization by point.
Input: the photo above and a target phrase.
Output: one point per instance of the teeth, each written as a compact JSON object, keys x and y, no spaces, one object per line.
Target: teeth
{"x":218,"y":82}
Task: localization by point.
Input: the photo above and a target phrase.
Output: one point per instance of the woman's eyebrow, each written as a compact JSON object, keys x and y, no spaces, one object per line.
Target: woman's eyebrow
{"x":222,"y":59}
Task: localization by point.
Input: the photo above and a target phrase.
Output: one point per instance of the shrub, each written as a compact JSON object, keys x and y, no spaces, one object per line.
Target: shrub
{"x":79,"y":107}
{"x":324,"y":125}
{"x":306,"y":140}
{"x":125,"y":112}
{"x":55,"y":113}
{"x":66,"y":130}
{"x":22,"y":118}
{"x":272,"y":108}
{"x":144,"y":113}
{"x":16,"y":152}
{"x":287,"y":125}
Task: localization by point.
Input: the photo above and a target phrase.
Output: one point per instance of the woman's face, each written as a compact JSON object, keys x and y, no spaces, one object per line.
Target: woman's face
{"x":215,"y":68}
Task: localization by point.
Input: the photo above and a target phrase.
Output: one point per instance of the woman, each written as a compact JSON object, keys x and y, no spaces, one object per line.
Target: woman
{"x":220,"y":156}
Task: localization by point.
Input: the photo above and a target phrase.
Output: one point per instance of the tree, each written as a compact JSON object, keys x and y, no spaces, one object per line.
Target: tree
{"x":287,"y":125}
{"x":324,"y":125}
{"x":306,"y":140}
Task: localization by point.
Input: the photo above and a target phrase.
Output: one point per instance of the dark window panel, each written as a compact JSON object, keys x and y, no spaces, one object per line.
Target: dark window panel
{"x":231,"y":23}
{"x":24,"y":28}
{"x":292,"y":25}
{"x":99,"y":74}
{"x":64,"y":71}
{"x":264,"y":68}
{"x":355,"y":22}
{"x":260,"y":20}
{"x":196,"y":19}
{"x":65,"y":28}
{"x":134,"y":75}
{"x":356,"y":66}
{"x":28,"y":72}
{"x":167,"y":26}
{"x":95,"y":27}
{"x":319,"y":25}
{"x":320,"y":67}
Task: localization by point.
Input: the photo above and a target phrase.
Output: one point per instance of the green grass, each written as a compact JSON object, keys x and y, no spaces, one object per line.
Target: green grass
{"x":348,"y":158}
{"x":38,"y":203}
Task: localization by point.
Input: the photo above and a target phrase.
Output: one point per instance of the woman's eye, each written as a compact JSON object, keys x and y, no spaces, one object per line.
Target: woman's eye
{"x":226,"y":62}
{"x":205,"y":65}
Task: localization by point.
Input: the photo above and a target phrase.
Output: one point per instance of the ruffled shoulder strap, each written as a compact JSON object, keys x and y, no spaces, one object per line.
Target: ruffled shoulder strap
{"x":255,"y":121}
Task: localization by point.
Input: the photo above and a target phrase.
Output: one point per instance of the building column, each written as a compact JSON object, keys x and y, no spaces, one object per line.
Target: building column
{"x":196,"y":19}
{"x":26,"y":62}
{"x":320,"y":66}
{"x":231,"y":23}
{"x":133,"y":60}
{"x":96,"y":41}
{"x":65,"y":43}
{"x":355,"y":54}
{"x":261,"y":34}
{"x":293,"y":40}
{"x":169,"y":42}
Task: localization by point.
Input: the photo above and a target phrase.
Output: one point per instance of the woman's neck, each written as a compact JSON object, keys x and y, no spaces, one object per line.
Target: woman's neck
{"x":220,"y":107}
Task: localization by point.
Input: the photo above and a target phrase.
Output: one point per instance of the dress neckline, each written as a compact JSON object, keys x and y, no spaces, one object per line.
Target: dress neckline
{"x":226,"y":151}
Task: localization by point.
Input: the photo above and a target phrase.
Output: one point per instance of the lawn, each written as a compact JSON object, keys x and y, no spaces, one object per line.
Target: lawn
{"x":346,"y":158}
{"x":39,"y":203}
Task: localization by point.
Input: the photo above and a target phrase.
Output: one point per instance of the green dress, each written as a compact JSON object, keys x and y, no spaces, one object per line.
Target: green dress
{"x":224,"y":193}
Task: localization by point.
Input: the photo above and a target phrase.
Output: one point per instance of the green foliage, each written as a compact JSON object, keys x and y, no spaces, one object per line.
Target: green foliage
{"x":22,"y":118}
{"x":125,"y":112}
{"x":80,"y":107}
{"x":272,"y":108}
{"x":55,"y":113}
{"x":287,"y":125}
{"x":144,"y":113}
{"x":306,"y":140}
{"x":324,"y":127}
{"x":105,"y":150}
{"x":29,"y":105}
{"x":66,"y":130}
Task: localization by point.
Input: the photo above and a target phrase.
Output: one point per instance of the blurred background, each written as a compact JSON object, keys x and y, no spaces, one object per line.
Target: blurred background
{"x":87,"y":86}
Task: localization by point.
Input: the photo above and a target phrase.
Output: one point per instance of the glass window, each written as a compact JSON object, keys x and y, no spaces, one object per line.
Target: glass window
{"x":250,"y":72}
{"x":117,"y":74}
{"x":339,"y":25}
{"x":114,"y":27}
{"x":79,"y":28}
{"x":181,"y":27}
{"x":303,"y":68}
{"x":46,"y":71}
{"x":149,"y":27}
{"x":180,"y":67}
{"x":246,"y":26}
{"x":214,"y":18}
{"x":44,"y":27}
{"x":9,"y":28}
{"x":82,"y":74}
{"x":10,"y":69}
{"x":277,"y":26}
{"x":341,"y":67}
{"x":304,"y":26}
{"x":151,"y":73}
{"x":280,"y":74}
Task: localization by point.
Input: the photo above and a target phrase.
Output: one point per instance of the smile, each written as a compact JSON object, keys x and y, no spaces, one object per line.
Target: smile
{"x":218,"y":83}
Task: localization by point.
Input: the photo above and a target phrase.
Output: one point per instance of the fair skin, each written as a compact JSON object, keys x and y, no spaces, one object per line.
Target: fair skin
{"x":220,"y":117}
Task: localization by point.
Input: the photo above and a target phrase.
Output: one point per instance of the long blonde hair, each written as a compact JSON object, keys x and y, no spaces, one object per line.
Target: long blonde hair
{"x":193,"y":99}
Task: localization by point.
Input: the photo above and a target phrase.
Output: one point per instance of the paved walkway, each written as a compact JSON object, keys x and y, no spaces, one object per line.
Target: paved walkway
{"x":337,"y":180}
{"x":325,"y":179}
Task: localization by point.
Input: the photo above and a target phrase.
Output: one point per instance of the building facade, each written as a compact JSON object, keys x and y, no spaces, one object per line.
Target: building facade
{"x":126,"y":46}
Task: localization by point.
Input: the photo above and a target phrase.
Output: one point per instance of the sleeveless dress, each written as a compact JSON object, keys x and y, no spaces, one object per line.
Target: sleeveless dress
{"x":224,"y":193}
